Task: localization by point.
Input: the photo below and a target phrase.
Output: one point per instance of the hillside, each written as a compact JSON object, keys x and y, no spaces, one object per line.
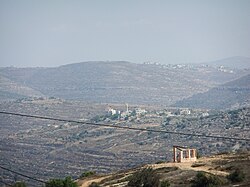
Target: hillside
{"x":13,"y":90}
{"x":121,"y":82}
{"x":230,"y":95}
{"x":237,"y":62}
{"x":53,"y":149}
{"x":181,"y":174}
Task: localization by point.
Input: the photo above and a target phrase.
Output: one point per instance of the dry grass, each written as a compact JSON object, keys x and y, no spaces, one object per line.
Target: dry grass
{"x":181,"y":174}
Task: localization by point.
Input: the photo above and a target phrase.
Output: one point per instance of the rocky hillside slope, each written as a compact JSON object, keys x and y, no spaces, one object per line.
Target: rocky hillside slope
{"x":53,"y":149}
{"x":13,"y":90}
{"x":236,"y":62}
{"x":233,"y":94}
{"x":121,"y":82}
{"x":181,"y":174}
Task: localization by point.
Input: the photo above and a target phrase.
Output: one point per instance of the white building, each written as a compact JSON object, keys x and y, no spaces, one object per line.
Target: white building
{"x":185,"y":111}
{"x":205,"y":114}
{"x":113,"y":111}
{"x":140,"y":111}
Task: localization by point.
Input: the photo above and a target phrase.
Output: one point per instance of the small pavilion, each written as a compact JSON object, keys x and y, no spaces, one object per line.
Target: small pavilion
{"x":183,"y":154}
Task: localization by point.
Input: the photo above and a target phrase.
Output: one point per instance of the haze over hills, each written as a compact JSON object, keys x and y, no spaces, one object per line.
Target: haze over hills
{"x":237,"y":62}
{"x":121,"y":82}
{"x":45,"y":148}
{"x":101,"y":87}
{"x":14,"y":90}
{"x":229,"y":95}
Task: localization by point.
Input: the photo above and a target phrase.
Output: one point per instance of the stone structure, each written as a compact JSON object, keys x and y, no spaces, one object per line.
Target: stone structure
{"x":184,"y":154}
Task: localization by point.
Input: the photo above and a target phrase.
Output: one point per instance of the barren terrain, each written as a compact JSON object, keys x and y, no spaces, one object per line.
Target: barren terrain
{"x":180,"y":174}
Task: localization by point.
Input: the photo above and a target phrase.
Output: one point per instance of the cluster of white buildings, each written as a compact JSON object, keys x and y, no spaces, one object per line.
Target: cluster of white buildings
{"x":113,"y":111}
{"x":127,"y":112}
{"x":139,"y":112}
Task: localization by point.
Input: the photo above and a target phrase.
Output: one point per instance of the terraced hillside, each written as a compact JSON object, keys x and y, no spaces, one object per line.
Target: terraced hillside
{"x":121,"y":82}
{"x":50,"y":149}
{"x":236,"y":62}
{"x":233,"y":94}
{"x":10,"y":90}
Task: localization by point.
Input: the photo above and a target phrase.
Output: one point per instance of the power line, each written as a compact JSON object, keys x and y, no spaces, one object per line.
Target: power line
{"x":104,"y":125}
{"x":123,"y":127}
{"x":32,"y":178}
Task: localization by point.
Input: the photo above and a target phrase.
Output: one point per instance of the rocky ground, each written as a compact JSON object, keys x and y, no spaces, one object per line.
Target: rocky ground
{"x":181,"y":174}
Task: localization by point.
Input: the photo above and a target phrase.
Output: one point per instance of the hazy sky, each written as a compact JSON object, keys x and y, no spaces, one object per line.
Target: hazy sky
{"x":56,"y":32}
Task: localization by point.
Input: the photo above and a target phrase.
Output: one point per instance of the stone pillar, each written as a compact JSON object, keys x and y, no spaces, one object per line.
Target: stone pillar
{"x":194,"y":152}
{"x":174,"y":153}
{"x":188,"y":153}
{"x":181,"y":156}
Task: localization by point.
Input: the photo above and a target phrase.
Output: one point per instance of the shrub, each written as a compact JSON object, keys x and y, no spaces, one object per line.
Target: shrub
{"x":67,"y":182}
{"x":94,"y":184}
{"x":236,"y":176}
{"x":165,"y":183}
{"x":19,"y":184}
{"x":144,"y":178}
{"x":160,"y":162}
{"x":87,"y":174}
{"x":55,"y":183}
{"x":205,"y":180}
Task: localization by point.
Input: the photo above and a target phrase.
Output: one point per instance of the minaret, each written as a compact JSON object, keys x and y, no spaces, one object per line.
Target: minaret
{"x":127,"y":107}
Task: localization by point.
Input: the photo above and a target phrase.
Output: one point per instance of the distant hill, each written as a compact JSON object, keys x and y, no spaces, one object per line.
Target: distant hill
{"x":120,"y":82}
{"x":236,"y":62}
{"x":13,"y":90}
{"x":232,"y":94}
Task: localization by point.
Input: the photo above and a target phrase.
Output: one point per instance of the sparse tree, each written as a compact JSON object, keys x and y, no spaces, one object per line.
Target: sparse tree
{"x":67,"y":182}
{"x":205,"y":180}
{"x":236,"y":176}
{"x":19,"y":184}
{"x":144,"y":178}
{"x":165,"y":183}
{"x":87,"y":174}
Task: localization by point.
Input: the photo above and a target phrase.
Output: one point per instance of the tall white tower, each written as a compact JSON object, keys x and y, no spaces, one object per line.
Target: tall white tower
{"x":127,"y":107}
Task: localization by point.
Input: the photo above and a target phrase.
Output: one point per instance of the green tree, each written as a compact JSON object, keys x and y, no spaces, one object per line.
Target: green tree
{"x":96,"y":119}
{"x":133,"y":113}
{"x":55,"y":183}
{"x":236,"y":176}
{"x":165,"y":183}
{"x":87,"y":174}
{"x":205,"y":180}
{"x":114,"y":117}
{"x":19,"y":184}
{"x":67,"y":182}
{"x":144,"y":178}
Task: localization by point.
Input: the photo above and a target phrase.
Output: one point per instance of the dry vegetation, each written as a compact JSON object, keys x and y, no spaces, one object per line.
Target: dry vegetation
{"x":182,"y":174}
